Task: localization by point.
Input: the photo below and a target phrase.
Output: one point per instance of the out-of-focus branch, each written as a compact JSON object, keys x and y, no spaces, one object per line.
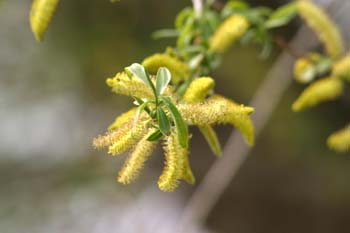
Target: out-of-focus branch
{"x":236,"y":151}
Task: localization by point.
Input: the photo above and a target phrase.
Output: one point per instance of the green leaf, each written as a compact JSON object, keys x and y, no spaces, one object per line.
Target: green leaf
{"x":165,"y":33}
{"x":183,"y":16}
{"x":163,"y":121}
{"x":155,"y":136}
{"x":138,"y":71}
{"x":163,"y":79}
{"x":181,"y":126}
{"x":282,"y":16}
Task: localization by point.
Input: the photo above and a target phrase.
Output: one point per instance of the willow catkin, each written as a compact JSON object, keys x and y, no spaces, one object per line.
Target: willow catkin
{"x":198,"y":89}
{"x":325,"y":89}
{"x":304,"y":68}
{"x":179,"y":70}
{"x":40,"y":16}
{"x":124,"y":138}
{"x":219,"y":110}
{"x":122,"y":119}
{"x":135,"y":162}
{"x":231,"y":30}
{"x":326,"y":30}
{"x":196,"y":92}
{"x":340,"y":140}
{"x":123,"y":85}
{"x":341,"y":68}
{"x":174,"y":163}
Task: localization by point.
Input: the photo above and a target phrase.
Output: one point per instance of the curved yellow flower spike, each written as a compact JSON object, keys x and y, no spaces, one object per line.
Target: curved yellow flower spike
{"x":40,"y":16}
{"x":198,"y":89}
{"x":324,"y":27}
{"x":122,"y":119}
{"x":174,"y":163}
{"x":340,"y":140}
{"x":180,"y":71}
{"x":219,"y":110}
{"x":136,"y":160}
{"x":319,"y":91}
{"x":232,"y":29}
{"x":123,"y":138}
{"x":341,"y":68}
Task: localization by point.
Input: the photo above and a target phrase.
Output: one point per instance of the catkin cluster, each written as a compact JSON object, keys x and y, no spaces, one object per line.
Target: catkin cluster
{"x":198,"y":106}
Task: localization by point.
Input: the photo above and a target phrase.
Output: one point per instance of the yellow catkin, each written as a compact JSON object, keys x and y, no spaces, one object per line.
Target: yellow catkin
{"x":174,"y":163}
{"x":231,"y":30}
{"x":123,"y":85}
{"x":135,"y":162}
{"x":198,"y":89}
{"x":122,"y":119}
{"x":341,"y":68}
{"x":340,"y":140}
{"x":324,"y":27}
{"x":178,"y":69}
{"x":196,"y":92}
{"x":304,"y":70}
{"x":40,"y":16}
{"x":124,"y":138}
{"x":219,"y":110}
{"x":325,"y":89}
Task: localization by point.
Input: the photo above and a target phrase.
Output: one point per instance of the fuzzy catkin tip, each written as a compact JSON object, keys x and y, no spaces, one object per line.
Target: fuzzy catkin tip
{"x":180,"y":71}
{"x":340,"y":140}
{"x":135,"y":162}
{"x":174,"y":162}
{"x":198,"y":89}
{"x":123,"y":85}
{"x":323,"y":90}
{"x":323,"y":26}
{"x":231,"y":30}
{"x":341,"y":68}
{"x":40,"y":16}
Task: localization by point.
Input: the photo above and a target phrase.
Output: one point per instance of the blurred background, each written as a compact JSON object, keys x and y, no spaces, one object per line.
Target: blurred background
{"x":53,"y":101}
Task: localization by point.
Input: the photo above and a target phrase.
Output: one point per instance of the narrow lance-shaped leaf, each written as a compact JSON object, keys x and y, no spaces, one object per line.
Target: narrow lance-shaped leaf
{"x":163,"y":79}
{"x":155,"y":135}
{"x":163,"y":121}
{"x":282,"y":16}
{"x":181,"y":127}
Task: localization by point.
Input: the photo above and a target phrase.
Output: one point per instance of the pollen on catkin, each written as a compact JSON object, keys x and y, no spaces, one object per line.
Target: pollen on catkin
{"x":231,"y":30}
{"x":123,"y":138}
{"x":40,"y":16}
{"x":135,"y":162}
{"x":219,"y":110}
{"x":325,"y":89}
{"x":340,"y":140}
{"x":122,"y":119}
{"x":323,"y":26}
{"x":198,"y":89}
{"x":174,"y":163}
{"x":123,"y":85}
{"x":180,"y":71}
{"x":341,"y":68}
